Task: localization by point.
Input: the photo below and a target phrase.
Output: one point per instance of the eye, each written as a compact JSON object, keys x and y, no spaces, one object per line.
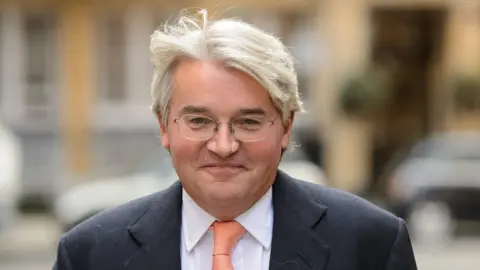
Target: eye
{"x":249,"y":123}
{"x":198,"y":121}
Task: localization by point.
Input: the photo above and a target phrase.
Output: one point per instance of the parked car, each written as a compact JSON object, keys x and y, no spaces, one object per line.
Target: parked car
{"x":306,"y":134}
{"x":87,"y":199}
{"x":297,"y":164}
{"x":10,"y":182}
{"x":438,"y":184}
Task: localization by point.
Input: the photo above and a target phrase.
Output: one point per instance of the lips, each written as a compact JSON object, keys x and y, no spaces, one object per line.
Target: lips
{"x":223,"y":168}
{"x":223,"y":165}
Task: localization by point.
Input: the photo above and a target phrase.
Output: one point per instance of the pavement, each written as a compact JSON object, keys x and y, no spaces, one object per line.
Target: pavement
{"x":32,"y":243}
{"x":462,"y":253}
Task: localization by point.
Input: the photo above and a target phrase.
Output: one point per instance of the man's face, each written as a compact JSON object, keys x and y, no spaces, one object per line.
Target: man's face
{"x":222,"y":169}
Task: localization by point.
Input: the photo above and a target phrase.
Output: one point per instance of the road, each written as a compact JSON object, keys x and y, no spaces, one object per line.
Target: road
{"x":461,"y":254}
{"x":32,"y":243}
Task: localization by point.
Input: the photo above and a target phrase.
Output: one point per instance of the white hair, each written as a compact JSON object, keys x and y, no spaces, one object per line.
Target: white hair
{"x":232,"y":42}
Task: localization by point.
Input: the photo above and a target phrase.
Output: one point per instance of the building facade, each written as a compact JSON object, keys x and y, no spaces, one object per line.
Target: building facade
{"x":75,"y":77}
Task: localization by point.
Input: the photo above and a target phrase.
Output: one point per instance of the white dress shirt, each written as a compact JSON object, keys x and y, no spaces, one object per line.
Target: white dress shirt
{"x":252,"y":251}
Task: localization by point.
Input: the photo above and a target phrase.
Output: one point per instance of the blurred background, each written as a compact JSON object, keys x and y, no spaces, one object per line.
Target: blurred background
{"x":392,"y":89}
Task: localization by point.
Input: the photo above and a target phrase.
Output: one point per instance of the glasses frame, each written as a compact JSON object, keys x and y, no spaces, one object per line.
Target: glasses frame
{"x":270,"y":123}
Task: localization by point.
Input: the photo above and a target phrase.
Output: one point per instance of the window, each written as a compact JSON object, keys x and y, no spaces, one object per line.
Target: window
{"x":39,"y":64}
{"x":303,"y":42}
{"x":113,"y":58}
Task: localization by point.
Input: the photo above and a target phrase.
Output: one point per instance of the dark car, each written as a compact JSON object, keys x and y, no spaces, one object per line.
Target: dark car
{"x":438,"y":185}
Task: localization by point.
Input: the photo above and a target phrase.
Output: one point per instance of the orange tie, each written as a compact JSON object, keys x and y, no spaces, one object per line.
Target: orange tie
{"x":226,"y":235}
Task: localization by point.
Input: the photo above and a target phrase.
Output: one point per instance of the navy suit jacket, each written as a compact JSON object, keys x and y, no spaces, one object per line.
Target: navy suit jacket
{"x":314,"y":227}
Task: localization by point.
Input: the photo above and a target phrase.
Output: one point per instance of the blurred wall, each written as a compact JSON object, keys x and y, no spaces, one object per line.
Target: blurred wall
{"x":348,"y":27}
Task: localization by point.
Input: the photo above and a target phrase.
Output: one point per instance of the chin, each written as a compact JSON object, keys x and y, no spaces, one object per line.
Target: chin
{"x":225,"y":197}
{"x":224,"y":190}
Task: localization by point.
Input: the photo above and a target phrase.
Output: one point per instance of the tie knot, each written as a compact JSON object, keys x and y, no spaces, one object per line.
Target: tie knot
{"x":226,"y":235}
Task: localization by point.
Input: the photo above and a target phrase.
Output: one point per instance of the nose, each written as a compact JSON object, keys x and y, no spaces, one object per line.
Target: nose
{"x":223,"y":143}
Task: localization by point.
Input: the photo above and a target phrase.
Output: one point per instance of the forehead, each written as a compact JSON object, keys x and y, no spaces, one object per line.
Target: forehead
{"x":218,"y":88}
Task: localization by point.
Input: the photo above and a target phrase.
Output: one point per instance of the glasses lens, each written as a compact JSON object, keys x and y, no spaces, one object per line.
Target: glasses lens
{"x":250,"y":128}
{"x":245,"y":128}
{"x":196,"y":127}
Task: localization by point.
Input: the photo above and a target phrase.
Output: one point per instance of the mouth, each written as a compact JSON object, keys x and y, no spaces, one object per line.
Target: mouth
{"x":224,"y":168}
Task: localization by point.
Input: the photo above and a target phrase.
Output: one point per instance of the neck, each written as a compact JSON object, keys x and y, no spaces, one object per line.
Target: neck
{"x":227,"y":214}
{"x":229,"y":210}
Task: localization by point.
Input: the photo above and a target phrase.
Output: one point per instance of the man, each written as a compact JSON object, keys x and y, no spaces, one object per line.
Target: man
{"x":225,"y":94}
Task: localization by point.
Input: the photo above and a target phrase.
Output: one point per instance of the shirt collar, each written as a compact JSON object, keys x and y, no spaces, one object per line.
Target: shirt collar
{"x":257,"y":221}
{"x":195,"y":220}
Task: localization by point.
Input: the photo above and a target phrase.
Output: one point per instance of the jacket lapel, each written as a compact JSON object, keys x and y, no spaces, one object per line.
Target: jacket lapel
{"x":295,"y":244}
{"x":157,"y":232}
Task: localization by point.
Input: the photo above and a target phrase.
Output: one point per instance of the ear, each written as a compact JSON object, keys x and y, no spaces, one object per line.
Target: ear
{"x":163,"y":132}
{"x":287,"y":128}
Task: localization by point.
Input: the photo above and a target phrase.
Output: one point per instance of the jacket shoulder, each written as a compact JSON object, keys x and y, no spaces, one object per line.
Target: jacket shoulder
{"x":104,"y":241}
{"x":112,"y":221}
{"x":351,"y":221}
{"x":345,"y":207}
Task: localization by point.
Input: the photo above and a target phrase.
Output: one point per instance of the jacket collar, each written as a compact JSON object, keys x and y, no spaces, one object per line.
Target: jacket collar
{"x":157,"y":232}
{"x":296,"y":214}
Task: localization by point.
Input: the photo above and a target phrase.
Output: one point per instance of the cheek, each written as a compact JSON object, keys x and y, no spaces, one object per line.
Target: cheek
{"x":264,"y":152}
{"x":183,"y":150}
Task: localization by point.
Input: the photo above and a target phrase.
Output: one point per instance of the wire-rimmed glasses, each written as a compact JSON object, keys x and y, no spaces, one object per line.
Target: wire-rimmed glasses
{"x":249,"y":128}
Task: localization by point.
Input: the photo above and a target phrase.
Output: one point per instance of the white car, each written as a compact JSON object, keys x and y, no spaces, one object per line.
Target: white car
{"x":10,"y":167}
{"x":85,"y":200}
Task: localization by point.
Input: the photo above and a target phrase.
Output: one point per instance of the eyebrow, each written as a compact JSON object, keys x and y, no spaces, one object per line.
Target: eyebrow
{"x":193,"y":109}
{"x":243,"y":111}
{"x":250,"y":111}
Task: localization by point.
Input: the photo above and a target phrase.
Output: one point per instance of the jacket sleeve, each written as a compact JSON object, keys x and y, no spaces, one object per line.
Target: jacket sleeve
{"x":401,"y":253}
{"x":62,"y":262}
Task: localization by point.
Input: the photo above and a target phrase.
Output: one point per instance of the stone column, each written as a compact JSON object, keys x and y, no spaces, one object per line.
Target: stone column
{"x":344,"y":25}
{"x":78,"y":74}
{"x":462,"y":54}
